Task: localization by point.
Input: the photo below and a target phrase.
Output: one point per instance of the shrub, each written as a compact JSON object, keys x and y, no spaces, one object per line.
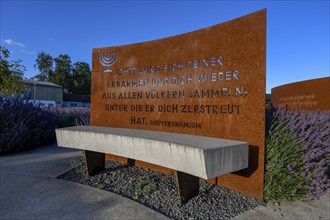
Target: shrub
{"x":66,"y":117}
{"x":83,"y":118}
{"x":23,"y":125}
{"x":297,"y":154}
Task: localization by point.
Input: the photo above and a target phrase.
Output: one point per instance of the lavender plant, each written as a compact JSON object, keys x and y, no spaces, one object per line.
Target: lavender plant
{"x":297,"y":154}
{"x":23,"y":125}
{"x":314,"y":130}
{"x":83,"y":119}
{"x":66,"y":117}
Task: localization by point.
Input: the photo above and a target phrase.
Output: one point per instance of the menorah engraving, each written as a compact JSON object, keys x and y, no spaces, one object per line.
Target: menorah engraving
{"x":108,"y":59}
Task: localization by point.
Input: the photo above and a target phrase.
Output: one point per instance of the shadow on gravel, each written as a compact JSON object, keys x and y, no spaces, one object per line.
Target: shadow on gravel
{"x":158,"y":191}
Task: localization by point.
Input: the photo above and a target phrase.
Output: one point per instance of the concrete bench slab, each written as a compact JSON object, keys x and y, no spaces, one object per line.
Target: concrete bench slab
{"x":192,"y":156}
{"x":200,"y":156}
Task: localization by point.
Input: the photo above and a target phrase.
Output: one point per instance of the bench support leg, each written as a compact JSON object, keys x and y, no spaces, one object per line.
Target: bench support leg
{"x":95,"y":162}
{"x":188,"y":186}
{"x":130,"y":162}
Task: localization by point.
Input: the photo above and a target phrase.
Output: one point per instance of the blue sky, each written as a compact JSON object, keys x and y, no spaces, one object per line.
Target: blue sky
{"x":297,"y":31}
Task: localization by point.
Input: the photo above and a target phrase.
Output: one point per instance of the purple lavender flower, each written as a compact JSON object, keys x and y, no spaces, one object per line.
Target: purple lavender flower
{"x":319,"y":153}
{"x":302,"y":140}
{"x":310,"y":188}
{"x":293,"y":127}
{"x":310,"y":164}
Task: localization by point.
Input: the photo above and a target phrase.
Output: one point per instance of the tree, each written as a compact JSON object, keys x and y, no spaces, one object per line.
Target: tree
{"x":74,"y":78}
{"x":62,"y":73}
{"x":11,"y":77}
{"x":44,"y":63}
{"x":81,"y":78}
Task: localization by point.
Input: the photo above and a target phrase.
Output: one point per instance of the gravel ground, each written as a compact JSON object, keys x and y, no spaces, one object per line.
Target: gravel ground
{"x":158,"y":191}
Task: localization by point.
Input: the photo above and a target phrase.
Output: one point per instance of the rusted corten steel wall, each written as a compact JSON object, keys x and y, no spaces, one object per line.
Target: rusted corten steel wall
{"x":210,"y":82}
{"x":309,"y":95}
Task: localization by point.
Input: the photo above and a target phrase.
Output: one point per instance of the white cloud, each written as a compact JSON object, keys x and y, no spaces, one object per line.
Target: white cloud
{"x":26,"y":52}
{"x":13,"y":43}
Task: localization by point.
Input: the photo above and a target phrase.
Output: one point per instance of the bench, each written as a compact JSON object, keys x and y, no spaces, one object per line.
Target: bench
{"x":193,"y":157}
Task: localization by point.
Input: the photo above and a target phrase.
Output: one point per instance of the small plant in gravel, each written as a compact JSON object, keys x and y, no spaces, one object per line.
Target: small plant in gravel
{"x":101,"y":186}
{"x":139,"y":186}
{"x":143,"y":189}
{"x":136,"y":196}
{"x":297,"y":154}
{"x":149,"y":189}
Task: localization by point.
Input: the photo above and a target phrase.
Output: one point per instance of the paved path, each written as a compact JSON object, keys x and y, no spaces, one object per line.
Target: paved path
{"x":29,"y":190}
{"x":286,"y":210}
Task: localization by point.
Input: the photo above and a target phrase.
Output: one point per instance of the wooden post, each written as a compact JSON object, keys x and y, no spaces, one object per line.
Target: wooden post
{"x":188,"y":186}
{"x":95,"y":162}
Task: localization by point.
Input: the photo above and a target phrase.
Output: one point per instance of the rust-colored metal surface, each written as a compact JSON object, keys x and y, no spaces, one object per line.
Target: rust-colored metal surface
{"x":210,"y":82}
{"x":131,"y":162}
{"x":188,"y":186}
{"x":95,"y":162}
{"x":309,"y":95}
{"x":116,"y":158}
{"x":139,"y":163}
